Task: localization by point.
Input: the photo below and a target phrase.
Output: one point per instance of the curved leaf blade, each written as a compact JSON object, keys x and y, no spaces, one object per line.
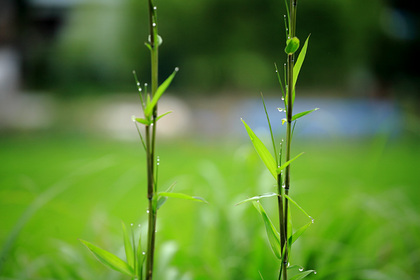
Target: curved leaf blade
{"x":302,"y":275}
{"x":160,"y":90}
{"x":301,"y":114}
{"x":299,"y":61}
{"x":129,"y":253}
{"x":299,"y":207}
{"x":258,"y":197}
{"x":108,"y":259}
{"x":182,"y":196}
{"x":262,"y":151}
{"x":284,"y":165}
{"x":298,"y":233}
{"x":272,"y":234}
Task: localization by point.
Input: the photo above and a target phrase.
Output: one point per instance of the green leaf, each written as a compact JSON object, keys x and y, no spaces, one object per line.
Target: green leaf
{"x":129,"y":253}
{"x":299,"y":62}
{"x":281,"y":84}
{"x":161,"y":116}
{"x":262,"y":151}
{"x":140,"y":259}
{"x":272,"y":234}
{"x":299,"y":207}
{"x":298,"y":233}
{"x":162,"y":199}
{"x":109,"y":259}
{"x":182,"y":196}
{"x":301,"y":114}
{"x":302,"y":275}
{"x":143,"y":121}
{"x":161,"y":89}
{"x":284,"y":165}
{"x":292,"y":45}
{"x":256,"y":198}
{"x":271,"y":130}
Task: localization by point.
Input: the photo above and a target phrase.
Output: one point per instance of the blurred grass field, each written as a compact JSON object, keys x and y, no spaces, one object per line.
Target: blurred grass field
{"x":364,"y":196}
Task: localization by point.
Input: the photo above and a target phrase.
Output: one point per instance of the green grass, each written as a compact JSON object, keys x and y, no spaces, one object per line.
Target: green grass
{"x":364,"y":200}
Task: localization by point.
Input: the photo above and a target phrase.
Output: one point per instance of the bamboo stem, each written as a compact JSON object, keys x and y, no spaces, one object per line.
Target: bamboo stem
{"x":289,"y":96}
{"x":150,"y":146}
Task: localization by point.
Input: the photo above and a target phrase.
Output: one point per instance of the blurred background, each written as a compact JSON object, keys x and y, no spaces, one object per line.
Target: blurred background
{"x":72,"y":166}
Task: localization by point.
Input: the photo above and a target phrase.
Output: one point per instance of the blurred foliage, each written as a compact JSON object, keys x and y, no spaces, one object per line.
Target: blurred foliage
{"x":224,"y":45}
{"x":366,"y":208}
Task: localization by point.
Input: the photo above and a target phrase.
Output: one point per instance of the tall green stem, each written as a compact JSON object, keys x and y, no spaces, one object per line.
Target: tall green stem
{"x":289,"y":96}
{"x":150,"y":145}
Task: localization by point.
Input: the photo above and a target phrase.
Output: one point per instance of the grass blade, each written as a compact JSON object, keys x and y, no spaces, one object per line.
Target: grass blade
{"x":272,"y":234}
{"x":271,"y":130}
{"x":302,"y":275}
{"x":143,"y":121}
{"x":161,"y":116}
{"x":140,"y":259}
{"x":182,"y":196}
{"x":262,"y":151}
{"x":109,"y":259}
{"x":299,"y":62}
{"x":299,"y":207}
{"x":298,"y":233}
{"x":284,"y":165}
{"x":256,"y":198}
{"x":301,"y":114}
{"x":129,"y":253}
{"x":281,"y":84}
{"x":161,"y":89}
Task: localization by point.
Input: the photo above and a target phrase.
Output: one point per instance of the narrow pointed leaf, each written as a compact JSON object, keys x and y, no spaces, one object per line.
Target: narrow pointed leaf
{"x":302,"y":275}
{"x":262,"y":151}
{"x":281,"y":84}
{"x":109,"y":259}
{"x":299,"y":207}
{"x":140,"y":259}
{"x":161,"y":89}
{"x":129,"y":254}
{"x":256,"y":198}
{"x":162,"y":199}
{"x":298,"y":233}
{"x":161,"y":116}
{"x":284,"y":165}
{"x":272,"y":234}
{"x":271,"y":130}
{"x":299,"y":62}
{"x":182,"y":196}
{"x":301,"y":114}
{"x":143,"y":121}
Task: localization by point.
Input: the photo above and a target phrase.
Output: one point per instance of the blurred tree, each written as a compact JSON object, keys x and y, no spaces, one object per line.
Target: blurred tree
{"x":221,"y":45}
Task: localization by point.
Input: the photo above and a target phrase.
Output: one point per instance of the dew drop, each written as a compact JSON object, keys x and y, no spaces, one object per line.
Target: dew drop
{"x":147,"y":211}
{"x":139,"y":225}
{"x":313,"y":220}
{"x":154,"y":24}
{"x":133,"y":118}
{"x":132,"y":224}
{"x":280,"y":109}
{"x":314,"y":272}
{"x":176,"y":69}
{"x":143,"y":253}
{"x":140,"y":89}
{"x":282,"y":98}
{"x":301,"y":269}
{"x":154,"y":8}
{"x":138,"y":83}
